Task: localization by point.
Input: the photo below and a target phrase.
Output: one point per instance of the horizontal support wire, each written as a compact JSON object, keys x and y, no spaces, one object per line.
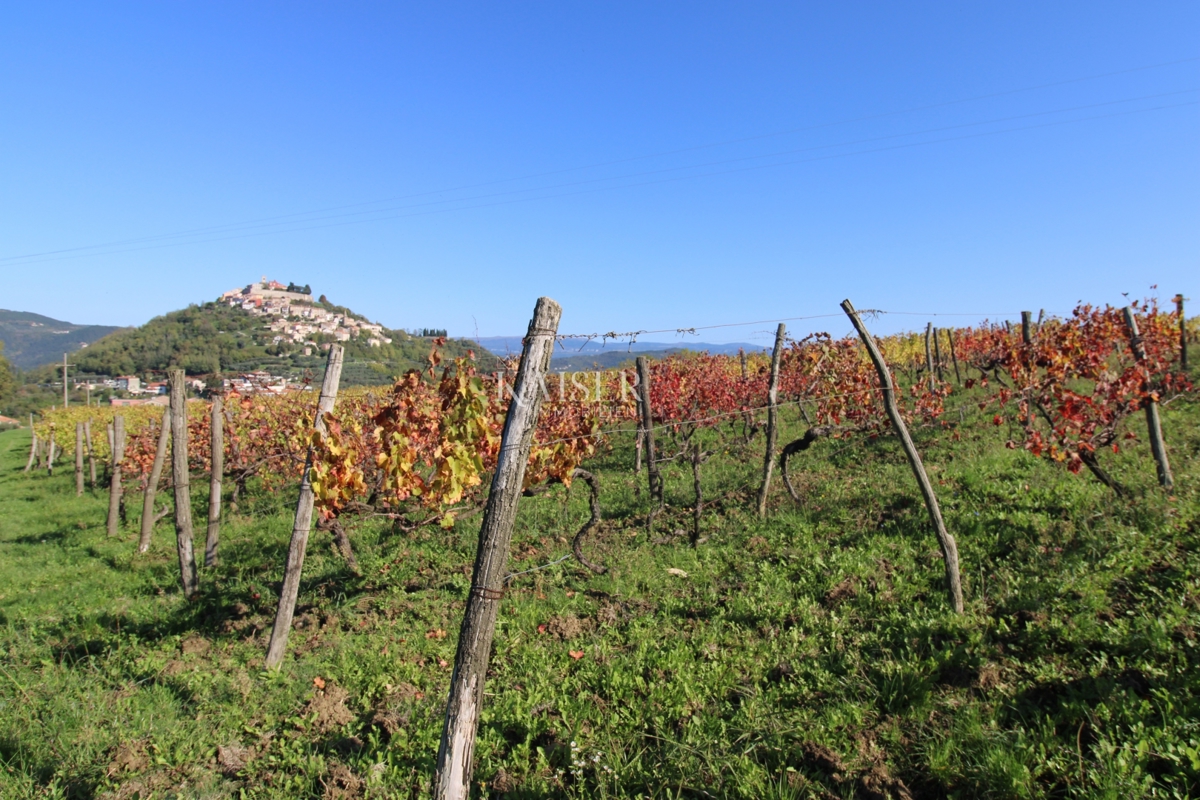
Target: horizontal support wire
{"x":694,"y":329}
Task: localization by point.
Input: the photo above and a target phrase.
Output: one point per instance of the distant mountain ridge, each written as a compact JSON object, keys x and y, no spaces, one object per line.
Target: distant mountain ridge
{"x":33,"y":340}
{"x":573,"y":355}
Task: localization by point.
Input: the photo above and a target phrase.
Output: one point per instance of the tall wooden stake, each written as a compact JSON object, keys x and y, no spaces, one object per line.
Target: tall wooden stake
{"x":33,"y":445}
{"x":1027,"y":328}
{"x":772,"y":414}
{"x":217,"y":430}
{"x":149,"y":517}
{"x":937,"y":352}
{"x":91,"y":454}
{"x":929,"y":354}
{"x":53,"y":447}
{"x":455,"y":757}
{"x":655,"y":479}
{"x":1153,"y":421}
{"x":953,"y":356}
{"x":303,"y":522}
{"x":1183,"y":342}
{"x":188,"y":580}
{"x":114,"y":487}
{"x":945,"y":540}
{"x":78,"y":459}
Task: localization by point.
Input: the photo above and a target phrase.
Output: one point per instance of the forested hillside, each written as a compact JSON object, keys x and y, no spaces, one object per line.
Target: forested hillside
{"x":213,"y":337}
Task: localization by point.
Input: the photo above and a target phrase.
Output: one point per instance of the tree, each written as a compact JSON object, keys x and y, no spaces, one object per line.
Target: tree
{"x":8,"y":381}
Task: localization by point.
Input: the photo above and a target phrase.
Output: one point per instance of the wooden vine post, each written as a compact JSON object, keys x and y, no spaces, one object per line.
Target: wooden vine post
{"x":303,"y":521}
{"x":929,"y":354}
{"x":1153,"y":420}
{"x":33,"y":446}
{"x":772,"y":418}
{"x":217,"y":430}
{"x":1027,"y":328}
{"x":53,"y":444}
{"x":937,"y":352}
{"x":114,"y":486}
{"x":1182,"y":333}
{"x":455,"y":757}
{"x":149,"y":517}
{"x":953,"y":356}
{"x":948,"y":546}
{"x":698,"y":458}
{"x":188,"y":579}
{"x":655,"y":479}
{"x":79,"y":459}
{"x":87,"y":434}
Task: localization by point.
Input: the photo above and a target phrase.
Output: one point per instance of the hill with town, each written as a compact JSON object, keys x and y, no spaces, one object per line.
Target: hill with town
{"x":269,"y":332}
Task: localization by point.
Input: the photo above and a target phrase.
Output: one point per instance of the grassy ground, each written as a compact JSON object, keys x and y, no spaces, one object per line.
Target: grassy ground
{"x":809,"y":655}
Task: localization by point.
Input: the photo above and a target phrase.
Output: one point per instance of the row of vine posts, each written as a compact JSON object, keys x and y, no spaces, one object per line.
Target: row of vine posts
{"x":456,"y":746}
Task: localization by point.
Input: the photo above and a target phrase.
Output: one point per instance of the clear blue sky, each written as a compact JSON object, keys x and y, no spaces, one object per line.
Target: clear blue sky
{"x":648,"y":165}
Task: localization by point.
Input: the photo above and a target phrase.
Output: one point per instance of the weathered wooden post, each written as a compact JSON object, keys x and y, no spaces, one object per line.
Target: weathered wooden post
{"x":1027,"y":328}
{"x":937,"y":352}
{"x":948,"y":546}
{"x":655,"y":479}
{"x":33,"y":445}
{"x":929,"y":354}
{"x":217,"y":431}
{"x":149,"y":517}
{"x":1183,"y":342}
{"x":303,"y":522}
{"x":91,"y":454}
{"x":697,"y":509}
{"x":188,"y":579}
{"x":114,"y":487}
{"x":455,"y":757}
{"x":53,"y":446}
{"x":79,"y":459}
{"x":953,"y":356}
{"x":1153,"y":421}
{"x":772,"y":414}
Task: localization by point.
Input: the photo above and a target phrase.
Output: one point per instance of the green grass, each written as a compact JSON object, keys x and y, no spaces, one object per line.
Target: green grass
{"x":809,"y":655}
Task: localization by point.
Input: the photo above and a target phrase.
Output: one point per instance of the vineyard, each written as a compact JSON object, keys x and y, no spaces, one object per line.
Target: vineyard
{"x":793,"y":493}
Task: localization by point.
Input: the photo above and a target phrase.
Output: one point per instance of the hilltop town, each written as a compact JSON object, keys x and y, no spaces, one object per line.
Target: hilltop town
{"x":298,"y":318}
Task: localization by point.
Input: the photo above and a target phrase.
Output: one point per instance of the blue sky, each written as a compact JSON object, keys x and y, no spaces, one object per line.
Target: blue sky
{"x":650,"y":166}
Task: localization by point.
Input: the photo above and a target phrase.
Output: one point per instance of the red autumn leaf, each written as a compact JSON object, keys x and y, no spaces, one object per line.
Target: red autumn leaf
{"x":319,"y":682}
{"x":575,"y":654}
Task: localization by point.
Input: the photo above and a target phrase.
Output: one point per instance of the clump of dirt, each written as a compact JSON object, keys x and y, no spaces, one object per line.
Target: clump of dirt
{"x":306,"y":622}
{"x":195,"y":644}
{"x":988,"y":678}
{"x":232,"y":759}
{"x":341,"y":783}
{"x":503,"y":783}
{"x":608,"y":613}
{"x":878,"y":784}
{"x":825,"y":759}
{"x":846,"y":590}
{"x":780,"y":672}
{"x":394,"y":712}
{"x":329,"y":704}
{"x":566,"y":627}
{"x":128,"y":757}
